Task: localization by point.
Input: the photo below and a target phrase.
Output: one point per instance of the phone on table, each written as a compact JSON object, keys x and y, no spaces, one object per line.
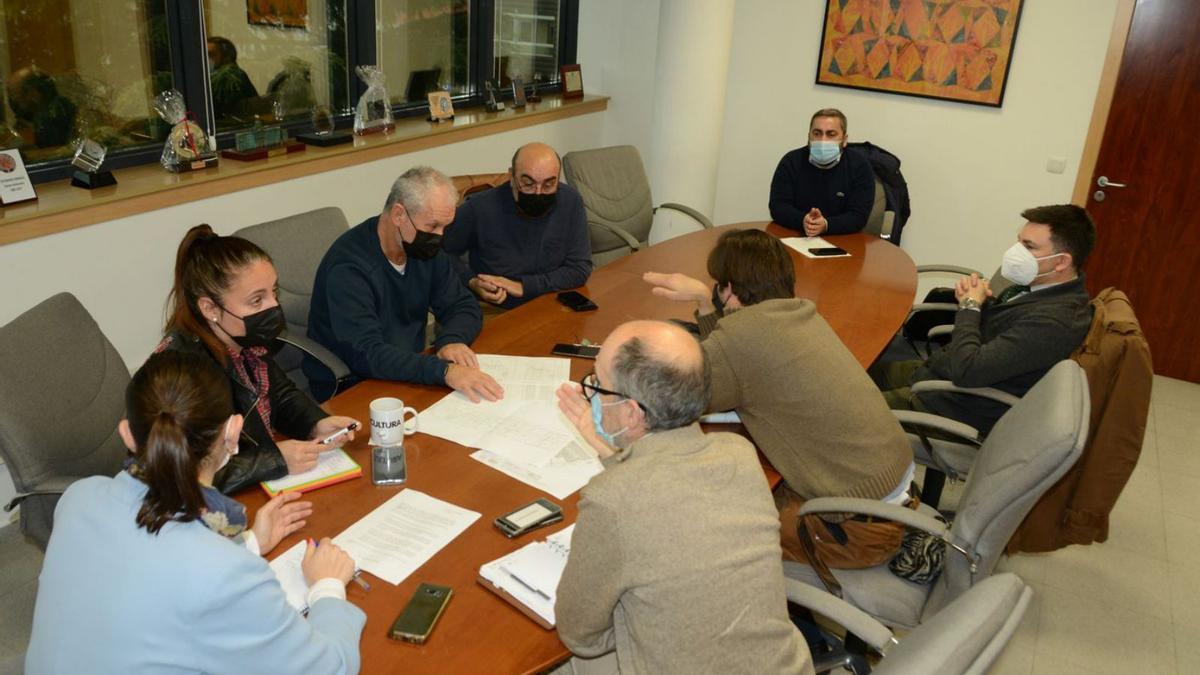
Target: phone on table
{"x":578,"y":351}
{"x":421,"y":614}
{"x":576,"y":301}
{"x":389,"y":466}
{"x":538,"y":513}
{"x":827,"y":251}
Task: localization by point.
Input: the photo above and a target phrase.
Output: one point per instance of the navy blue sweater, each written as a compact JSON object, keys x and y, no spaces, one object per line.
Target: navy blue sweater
{"x":373,"y":317}
{"x":550,"y":253}
{"x":844,"y":193}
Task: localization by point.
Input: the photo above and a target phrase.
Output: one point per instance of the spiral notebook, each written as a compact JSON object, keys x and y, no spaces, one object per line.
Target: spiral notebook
{"x":528,"y":577}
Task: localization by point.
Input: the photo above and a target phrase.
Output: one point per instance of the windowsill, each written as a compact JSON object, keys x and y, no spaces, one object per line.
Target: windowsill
{"x":61,"y":207}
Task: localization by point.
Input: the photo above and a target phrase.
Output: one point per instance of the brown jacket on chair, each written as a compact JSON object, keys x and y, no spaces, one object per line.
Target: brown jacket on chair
{"x":1116,"y":358}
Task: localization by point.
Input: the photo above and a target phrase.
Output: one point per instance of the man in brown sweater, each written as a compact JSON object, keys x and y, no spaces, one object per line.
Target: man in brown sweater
{"x":808,"y":405}
{"x":675,"y":563}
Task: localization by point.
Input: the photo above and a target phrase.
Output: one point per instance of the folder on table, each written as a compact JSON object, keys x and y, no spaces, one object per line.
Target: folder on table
{"x":333,"y":466}
{"x":528,"y":577}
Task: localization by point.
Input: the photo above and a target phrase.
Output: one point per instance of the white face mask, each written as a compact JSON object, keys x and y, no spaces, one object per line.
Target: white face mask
{"x":225,"y":446}
{"x":1020,"y":267}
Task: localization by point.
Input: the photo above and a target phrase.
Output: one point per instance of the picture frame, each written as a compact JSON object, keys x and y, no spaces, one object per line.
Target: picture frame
{"x":277,"y":13}
{"x":951,"y":50}
{"x":571,"y":80}
{"x":441,"y":108}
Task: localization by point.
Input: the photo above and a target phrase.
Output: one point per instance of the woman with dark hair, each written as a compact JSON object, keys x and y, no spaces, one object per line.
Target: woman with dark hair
{"x":224,"y":305}
{"x":140,"y":575}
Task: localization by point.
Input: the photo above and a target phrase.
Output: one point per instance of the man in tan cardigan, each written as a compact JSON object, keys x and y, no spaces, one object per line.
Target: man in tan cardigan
{"x":675,"y":563}
{"x":807,"y":403}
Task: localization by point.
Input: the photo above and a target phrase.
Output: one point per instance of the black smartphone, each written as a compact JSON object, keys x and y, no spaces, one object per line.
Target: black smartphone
{"x":536,"y":514}
{"x":421,"y":614}
{"x":578,"y":351}
{"x":389,"y":466}
{"x":576,"y":301}
{"x":827,"y":250}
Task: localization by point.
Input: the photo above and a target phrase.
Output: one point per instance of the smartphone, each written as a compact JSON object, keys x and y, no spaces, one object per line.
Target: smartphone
{"x":389,"y":466}
{"x":578,"y":351}
{"x":421,"y":614}
{"x":538,"y":513}
{"x":827,"y":250}
{"x":576,"y":301}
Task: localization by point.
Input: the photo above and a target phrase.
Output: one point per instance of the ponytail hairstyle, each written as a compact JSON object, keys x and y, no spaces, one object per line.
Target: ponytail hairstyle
{"x":177,"y":405}
{"x":205,"y":266}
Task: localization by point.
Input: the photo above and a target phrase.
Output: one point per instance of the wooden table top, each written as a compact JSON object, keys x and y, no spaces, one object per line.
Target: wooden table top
{"x":864,"y":298}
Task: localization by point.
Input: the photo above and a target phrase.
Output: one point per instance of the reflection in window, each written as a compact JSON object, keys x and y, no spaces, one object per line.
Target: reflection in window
{"x":423,"y":46}
{"x":76,"y":68}
{"x":275,"y":60}
{"x":526,"y":40}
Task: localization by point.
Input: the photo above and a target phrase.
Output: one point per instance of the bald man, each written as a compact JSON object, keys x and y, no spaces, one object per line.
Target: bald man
{"x":525,"y":238}
{"x":675,"y":561}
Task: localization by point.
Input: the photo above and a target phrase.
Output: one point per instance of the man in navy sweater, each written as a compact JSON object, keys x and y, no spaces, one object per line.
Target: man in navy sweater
{"x":823,"y":188}
{"x":525,"y":238}
{"x":378,"y":282}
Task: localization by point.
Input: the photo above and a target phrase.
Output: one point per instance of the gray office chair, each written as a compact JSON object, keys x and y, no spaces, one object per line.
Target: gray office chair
{"x":297,"y":244}
{"x":616,"y":195}
{"x":61,"y":397}
{"x":1030,"y":448}
{"x":881,"y":220}
{"x":965,"y":638}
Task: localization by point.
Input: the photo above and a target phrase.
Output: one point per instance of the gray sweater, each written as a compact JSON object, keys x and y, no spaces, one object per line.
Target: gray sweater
{"x":675,"y":562}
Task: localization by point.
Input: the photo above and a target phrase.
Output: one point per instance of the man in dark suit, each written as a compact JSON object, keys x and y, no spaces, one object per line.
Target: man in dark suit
{"x":1010,"y":340}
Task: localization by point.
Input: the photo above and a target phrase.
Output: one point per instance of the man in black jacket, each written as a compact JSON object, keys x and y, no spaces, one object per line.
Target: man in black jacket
{"x":823,"y":188}
{"x":1008,"y":341}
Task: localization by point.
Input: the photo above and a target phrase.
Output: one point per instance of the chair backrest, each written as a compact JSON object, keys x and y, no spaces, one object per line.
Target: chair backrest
{"x":61,"y":397}
{"x":1030,"y":448}
{"x":616,"y":194}
{"x":296,"y":244}
{"x":965,"y":637}
{"x":469,"y":184}
{"x":875,"y":221}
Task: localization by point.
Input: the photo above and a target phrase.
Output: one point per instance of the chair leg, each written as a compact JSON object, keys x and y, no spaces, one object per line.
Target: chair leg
{"x":931,"y":490}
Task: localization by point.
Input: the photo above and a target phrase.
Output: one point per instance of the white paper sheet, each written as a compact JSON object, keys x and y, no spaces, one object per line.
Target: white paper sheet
{"x":291,"y":576}
{"x":558,"y":479}
{"x":805,"y":245}
{"x":403,"y":533}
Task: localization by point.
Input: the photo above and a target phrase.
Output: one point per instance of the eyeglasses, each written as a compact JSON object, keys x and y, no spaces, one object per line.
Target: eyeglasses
{"x":590,"y":389}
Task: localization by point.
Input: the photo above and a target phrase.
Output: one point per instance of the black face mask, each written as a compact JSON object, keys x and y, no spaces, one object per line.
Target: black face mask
{"x":716,"y":300}
{"x":424,"y":246}
{"x":535,"y":205}
{"x":262,"y":328}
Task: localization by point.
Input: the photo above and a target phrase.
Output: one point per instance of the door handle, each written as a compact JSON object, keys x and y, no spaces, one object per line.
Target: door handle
{"x":1104,"y":182}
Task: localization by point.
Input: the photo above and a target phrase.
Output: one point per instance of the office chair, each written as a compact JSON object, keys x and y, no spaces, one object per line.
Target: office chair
{"x":966,"y":637}
{"x":616,"y":195}
{"x":1028,"y":450}
{"x":296,"y":244}
{"x":61,"y":397}
{"x":469,"y":184}
{"x":882,"y":219}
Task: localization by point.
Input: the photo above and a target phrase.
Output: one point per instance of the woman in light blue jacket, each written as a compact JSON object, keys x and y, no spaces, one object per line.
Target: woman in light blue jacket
{"x":141,"y":575}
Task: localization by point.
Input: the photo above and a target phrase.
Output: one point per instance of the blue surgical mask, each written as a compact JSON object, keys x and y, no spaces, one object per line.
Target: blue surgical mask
{"x":824,"y":154}
{"x":598,"y":416}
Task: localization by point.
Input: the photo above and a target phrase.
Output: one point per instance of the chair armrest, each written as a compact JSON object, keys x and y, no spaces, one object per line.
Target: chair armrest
{"x":327,"y":358}
{"x":874,"y":507}
{"x":853,"y":619}
{"x":937,"y":422}
{"x":983,"y":392}
{"x":950,"y":269}
{"x":53,"y":485}
{"x":938,"y":331}
{"x":934,"y":307}
{"x":688,"y":211}
{"x":621,"y":234}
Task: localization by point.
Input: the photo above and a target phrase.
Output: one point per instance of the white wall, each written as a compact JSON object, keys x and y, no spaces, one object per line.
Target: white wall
{"x":970,"y":169}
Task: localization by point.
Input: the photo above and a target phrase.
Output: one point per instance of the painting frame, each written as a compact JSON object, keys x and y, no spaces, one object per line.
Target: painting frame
{"x":278,"y":13}
{"x":972,"y":66}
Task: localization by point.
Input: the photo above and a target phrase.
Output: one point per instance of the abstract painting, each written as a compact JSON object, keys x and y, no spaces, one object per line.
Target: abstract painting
{"x":958,"y":50}
{"x":280,"y":13}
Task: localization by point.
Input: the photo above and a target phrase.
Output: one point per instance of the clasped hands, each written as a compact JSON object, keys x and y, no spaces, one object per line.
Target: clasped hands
{"x":972,"y":287}
{"x":495,"y":289}
{"x":814,"y":223}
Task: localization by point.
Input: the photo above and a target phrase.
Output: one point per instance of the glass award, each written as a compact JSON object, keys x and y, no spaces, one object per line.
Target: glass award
{"x":374,"y":110}
{"x":322,"y":120}
{"x":89,"y":157}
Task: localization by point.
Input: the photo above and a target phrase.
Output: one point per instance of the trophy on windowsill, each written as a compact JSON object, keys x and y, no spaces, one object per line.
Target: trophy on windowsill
{"x":491,"y":99}
{"x":374,"y":110}
{"x":187,"y":147}
{"x":533,"y":96}
{"x":89,"y":157}
{"x":261,"y":142}
{"x":324,"y":133}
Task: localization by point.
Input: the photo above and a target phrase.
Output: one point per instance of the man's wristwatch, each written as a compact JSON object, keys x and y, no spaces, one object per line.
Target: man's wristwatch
{"x":968,"y":303}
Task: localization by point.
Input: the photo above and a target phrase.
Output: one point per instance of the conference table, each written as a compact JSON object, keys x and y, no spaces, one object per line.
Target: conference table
{"x":864,"y":297}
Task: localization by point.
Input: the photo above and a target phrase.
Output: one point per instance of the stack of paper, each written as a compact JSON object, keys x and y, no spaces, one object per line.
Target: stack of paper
{"x":333,"y":466}
{"x":528,"y":577}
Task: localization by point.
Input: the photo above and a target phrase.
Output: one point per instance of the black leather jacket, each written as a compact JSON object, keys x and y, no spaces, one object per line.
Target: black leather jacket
{"x":293,"y":414}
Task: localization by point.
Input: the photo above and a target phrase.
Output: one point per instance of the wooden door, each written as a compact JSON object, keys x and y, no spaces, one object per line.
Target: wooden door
{"x":1148,"y":232}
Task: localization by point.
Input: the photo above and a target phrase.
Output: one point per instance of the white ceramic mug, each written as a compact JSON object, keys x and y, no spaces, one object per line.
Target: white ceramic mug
{"x":388,"y":425}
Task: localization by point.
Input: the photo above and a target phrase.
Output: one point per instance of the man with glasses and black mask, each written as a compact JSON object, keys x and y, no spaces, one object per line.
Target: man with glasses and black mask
{"x":674,"y":564}
{"x":1010,"y":339}
{"x":379,"y":281}
{"x":525,"y":238}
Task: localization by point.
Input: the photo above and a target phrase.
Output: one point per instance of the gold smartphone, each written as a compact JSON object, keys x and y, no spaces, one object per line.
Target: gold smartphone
{"x":421,"y":614}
